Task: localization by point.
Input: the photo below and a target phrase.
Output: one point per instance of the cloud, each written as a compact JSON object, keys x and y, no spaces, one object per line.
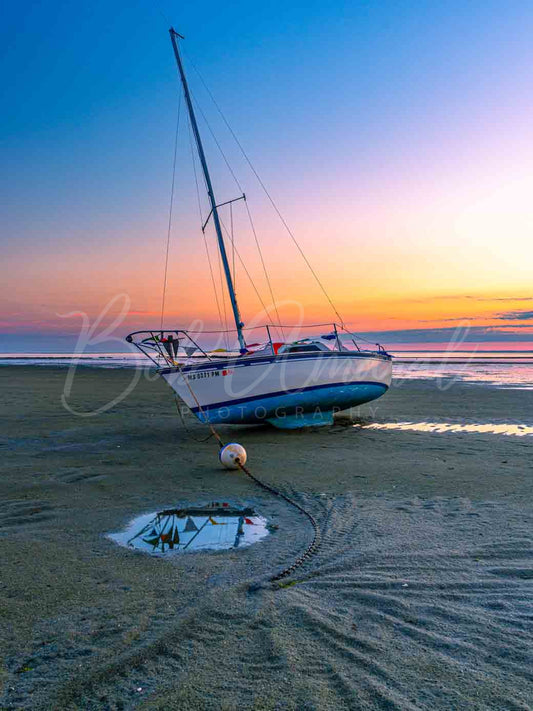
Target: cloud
{"x":456,"y":318}
{"x":515,"y":316}
{"x":504,"y":298}
{"x":461,"y":297}
{"x":471,"y":334}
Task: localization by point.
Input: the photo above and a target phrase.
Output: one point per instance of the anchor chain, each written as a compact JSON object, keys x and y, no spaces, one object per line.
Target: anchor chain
{"x":312,"y":549}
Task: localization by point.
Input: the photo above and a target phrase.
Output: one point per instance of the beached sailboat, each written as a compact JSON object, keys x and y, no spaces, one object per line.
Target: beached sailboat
{"x":288,"y":384}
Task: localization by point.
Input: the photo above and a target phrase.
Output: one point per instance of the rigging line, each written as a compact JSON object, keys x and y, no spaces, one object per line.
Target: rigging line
{"x":247,"y":208}
{"x":313,"y":547}
{"x":189,"y":431}
{"x":264,"y":269}
{"x":223,"y":323}
{"x":263,"y":186}
{"x":213,"y":136}
{"x":195,"y":174}
{"x":213,"y":281}
{"x":223,"y":292}
{"x":357,"y":335}
{"x":253,"y":229}
{"x":163,"y":15}
{"x":232,"y":236}
{"x":170,"y":211}
{"x":232,"y":244}
{"x":208,"y":124}
{"x":202,"y":222}
{"x":243,"y":265}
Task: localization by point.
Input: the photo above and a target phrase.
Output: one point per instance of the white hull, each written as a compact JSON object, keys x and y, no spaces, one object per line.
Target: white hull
{"x":291,"y":390}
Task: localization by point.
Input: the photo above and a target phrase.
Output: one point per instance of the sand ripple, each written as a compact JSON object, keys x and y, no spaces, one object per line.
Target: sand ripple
{"x":410,"y":604}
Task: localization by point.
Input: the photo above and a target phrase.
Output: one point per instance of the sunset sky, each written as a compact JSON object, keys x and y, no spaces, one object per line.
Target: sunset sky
{"x":396,"y":139}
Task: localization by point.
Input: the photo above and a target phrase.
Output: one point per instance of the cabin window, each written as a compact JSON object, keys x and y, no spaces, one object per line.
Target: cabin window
{"x":300,"y":349}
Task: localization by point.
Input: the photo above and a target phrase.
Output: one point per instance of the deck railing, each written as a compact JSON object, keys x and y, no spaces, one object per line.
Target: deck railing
{"x":168,"y":347}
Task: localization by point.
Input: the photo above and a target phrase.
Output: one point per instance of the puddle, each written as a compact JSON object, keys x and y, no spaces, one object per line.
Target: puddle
{"x":506,"y":429}
{"x":217,"y":526}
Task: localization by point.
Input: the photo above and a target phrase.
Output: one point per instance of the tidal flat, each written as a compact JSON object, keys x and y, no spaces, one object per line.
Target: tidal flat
{"x":420,"y":596}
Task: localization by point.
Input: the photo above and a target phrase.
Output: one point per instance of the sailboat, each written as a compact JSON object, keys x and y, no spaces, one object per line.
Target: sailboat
{"x":289,"y":384}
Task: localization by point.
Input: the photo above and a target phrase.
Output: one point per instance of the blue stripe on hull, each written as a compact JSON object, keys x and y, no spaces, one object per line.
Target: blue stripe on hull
{"x":322,"y":400}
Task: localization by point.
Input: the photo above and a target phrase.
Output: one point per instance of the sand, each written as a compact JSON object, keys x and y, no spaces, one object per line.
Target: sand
{"x":419,"y":598}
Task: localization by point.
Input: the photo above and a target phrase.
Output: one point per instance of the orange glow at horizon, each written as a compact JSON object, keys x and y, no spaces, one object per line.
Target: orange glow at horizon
{"x":403,"y":163}
{"x":398,"y":256}
{"x":383,"y":273}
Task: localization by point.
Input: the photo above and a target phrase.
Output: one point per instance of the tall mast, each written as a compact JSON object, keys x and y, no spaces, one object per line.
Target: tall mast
{"x":210,"y":193}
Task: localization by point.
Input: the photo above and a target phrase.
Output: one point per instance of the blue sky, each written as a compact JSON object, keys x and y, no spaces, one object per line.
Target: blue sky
{"x":374,"y":121}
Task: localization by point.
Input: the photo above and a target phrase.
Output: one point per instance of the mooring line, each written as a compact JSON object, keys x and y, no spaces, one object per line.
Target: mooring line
{"x":312,"y":549}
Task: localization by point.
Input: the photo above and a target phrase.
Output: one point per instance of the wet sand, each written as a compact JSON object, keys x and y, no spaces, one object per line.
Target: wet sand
{"x":419,"y":598}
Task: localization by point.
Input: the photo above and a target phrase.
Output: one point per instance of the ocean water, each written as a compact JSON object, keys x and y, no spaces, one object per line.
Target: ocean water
{"x":510,"y":369}
{"x":96,"y":360}
{"x":500,"y":368}
{"x":508,"y":429}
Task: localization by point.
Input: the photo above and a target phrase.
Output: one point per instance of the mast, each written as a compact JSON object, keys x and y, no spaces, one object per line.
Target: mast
{"x":218,"y":229}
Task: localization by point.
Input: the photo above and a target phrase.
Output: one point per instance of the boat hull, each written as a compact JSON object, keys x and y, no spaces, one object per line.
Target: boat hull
{"x":288,"y":391}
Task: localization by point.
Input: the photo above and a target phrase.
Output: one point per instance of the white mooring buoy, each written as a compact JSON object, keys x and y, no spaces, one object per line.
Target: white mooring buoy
{"x":232,"y":455}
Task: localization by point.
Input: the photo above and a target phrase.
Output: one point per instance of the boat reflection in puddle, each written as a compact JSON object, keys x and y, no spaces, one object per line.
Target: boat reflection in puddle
{"x":217,"y":526}
{"x":504,"y":429}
